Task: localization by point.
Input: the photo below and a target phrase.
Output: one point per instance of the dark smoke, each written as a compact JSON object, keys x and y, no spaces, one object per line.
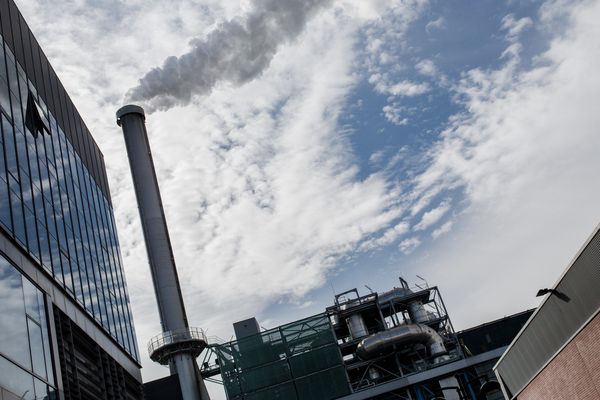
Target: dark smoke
{"x":237,"y":51}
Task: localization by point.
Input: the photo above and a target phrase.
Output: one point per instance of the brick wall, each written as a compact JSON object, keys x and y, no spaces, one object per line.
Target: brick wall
{"x":574,"y":374}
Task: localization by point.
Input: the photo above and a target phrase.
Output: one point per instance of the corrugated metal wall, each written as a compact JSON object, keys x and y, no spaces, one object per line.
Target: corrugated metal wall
{"x":556,"y":322}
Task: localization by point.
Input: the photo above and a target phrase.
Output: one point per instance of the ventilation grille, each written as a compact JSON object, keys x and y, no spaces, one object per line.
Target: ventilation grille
{"x":88,"y":372}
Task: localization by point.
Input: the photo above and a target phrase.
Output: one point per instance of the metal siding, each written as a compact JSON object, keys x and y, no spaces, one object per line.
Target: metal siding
{"x":94,"y":157}
{"x":6,"y":30}
{"x":44,"y":64}
{"x":16,"y":32}
{"x":37,"y":66}
{"x":84,"y":148}
{"x":28,"y":66}
{"x":105,"y":179}
{"x":59,"y":102}
{"x":556,"y":321}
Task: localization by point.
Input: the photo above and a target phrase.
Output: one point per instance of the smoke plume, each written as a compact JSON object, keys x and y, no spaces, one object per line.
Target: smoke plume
{"x":237,"y":51}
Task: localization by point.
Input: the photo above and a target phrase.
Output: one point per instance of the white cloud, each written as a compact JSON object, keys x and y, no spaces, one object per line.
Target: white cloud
{"x":525,"y":152}
{"x":407,"y":246}
{"x":437,"y":23}
{"x":259,"y":186}
{"x":377,"y":157}
{"x":431,"y":217}
{"x":406,"y":88}
{"x":393,"y":113}
{"x":442,"y":230}
{"x":426,"y":67}
{"x":388,"y":237}
{"x":514,"y":27}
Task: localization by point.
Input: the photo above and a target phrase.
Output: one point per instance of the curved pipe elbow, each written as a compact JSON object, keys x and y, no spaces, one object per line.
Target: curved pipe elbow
{"x":382,"y":342}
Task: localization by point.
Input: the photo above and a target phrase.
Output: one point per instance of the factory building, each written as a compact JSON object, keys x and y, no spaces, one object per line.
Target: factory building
{"x":399,"y":344}
{"x":557,"y":354}
{"x":66,"y":329}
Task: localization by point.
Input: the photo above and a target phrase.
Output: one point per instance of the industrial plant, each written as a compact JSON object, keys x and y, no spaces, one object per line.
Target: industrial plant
{"x":66,"y":326}
{"x":398,"y":344}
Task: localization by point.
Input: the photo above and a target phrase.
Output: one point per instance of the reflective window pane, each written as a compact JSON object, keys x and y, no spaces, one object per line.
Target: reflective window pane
{"x":37,"y":348}
{"x":52,"y":205}
{"x":16,"y":380}
{"x":13,"y":324}
{"x":32,"y":301}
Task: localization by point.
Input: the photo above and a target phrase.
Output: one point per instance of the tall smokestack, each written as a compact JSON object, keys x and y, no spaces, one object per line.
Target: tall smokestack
{"x":178,"y":345}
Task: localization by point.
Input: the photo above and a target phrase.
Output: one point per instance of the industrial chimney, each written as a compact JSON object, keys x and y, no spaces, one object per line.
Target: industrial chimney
{"x":178,"y":345}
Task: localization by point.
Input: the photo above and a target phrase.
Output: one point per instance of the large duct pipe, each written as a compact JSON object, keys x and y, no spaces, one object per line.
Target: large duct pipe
{"x":416,"y":309}
{"x":381,"y":343}
{"x":173,"y":318}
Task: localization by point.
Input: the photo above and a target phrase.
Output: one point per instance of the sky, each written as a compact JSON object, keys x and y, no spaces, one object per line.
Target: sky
{"x":307,"y":147}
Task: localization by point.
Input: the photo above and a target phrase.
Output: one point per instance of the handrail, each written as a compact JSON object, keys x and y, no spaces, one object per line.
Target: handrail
{"x":176,"y":336}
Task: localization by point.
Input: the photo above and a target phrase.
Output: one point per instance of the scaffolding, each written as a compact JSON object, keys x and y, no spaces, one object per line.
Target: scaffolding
{"x":300,"y":360}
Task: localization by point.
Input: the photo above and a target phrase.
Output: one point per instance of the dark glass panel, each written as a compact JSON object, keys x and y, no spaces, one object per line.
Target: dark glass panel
{"x":46,"y":339}
{"x":5,"y":213}
{"x":4,"y":95}
{"x":17,"y":116}
{"x":44,"y":246}
{"x":38,"y":204}
{"x":33,"y":307}
{"x":78,"y":278}
{"x":50,"y":220}
{"x":13,"y":324}
{"x":18,"y":218}
{"x":9,"y":147}
{"x":21,"y":146}
{"x":2,"y":64}
{"x":66,"y":267}
{"x":32,"y":237}
{"x":34,"y":168}
{"x":56,"y":264}
{"x":37,"y":348}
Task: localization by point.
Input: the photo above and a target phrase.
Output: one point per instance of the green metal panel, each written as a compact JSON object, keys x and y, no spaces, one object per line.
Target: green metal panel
{"x":265,"y":375}
{"x":326,"y":385}
{"x":314,"y":361}
{"x":296,"y":361}
{"x":284,"y":391}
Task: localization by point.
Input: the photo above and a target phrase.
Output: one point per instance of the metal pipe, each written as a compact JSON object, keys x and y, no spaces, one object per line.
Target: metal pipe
{"x":381,"y":343}
{"x":131,"y":119}
{"x":416,"y":310}
{"x":394,"y":294}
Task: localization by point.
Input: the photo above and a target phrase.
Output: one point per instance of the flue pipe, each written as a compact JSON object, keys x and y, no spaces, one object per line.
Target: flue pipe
{"x":131,"y":119}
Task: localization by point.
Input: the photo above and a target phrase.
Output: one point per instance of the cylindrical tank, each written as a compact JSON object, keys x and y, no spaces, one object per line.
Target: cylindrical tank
{"x":131,"y":118}
{"x":356,"y":326}
{"x":417,"y":312}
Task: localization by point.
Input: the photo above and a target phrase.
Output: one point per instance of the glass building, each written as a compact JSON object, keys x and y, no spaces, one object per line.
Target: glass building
{"x":66,"y":327}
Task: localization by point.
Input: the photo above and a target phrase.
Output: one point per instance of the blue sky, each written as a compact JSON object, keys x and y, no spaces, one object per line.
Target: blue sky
{"x":356,"y":141}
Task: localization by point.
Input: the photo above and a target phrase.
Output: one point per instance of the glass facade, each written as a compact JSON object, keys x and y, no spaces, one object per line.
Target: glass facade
{"x":25,"y":357}
{"x":53,"y":207}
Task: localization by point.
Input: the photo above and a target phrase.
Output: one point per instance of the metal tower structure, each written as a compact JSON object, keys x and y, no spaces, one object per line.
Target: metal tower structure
{"x":178,"y":345}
